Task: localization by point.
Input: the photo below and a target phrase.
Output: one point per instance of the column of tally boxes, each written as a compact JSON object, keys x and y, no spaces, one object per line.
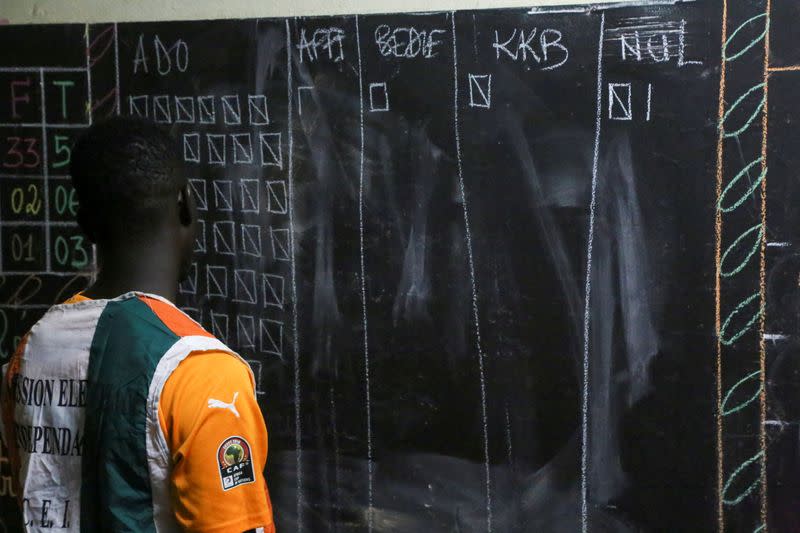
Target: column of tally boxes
{"x":235,"y":134}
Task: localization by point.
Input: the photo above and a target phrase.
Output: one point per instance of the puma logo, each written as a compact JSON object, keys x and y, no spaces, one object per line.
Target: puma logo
{"x":219,"y":404}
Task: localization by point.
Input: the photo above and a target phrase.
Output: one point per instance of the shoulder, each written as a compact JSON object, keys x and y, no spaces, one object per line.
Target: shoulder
{"x":173,"y":318}
{"x":198,"y":381}
{"x":211,"y":365}
{"x":205,"y":373}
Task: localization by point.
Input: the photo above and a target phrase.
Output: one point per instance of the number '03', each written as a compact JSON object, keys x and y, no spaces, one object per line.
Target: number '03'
{"x":71,"y":251}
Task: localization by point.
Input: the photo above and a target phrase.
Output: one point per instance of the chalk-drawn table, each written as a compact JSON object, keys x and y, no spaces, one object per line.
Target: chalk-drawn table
{"x":500,"y":270}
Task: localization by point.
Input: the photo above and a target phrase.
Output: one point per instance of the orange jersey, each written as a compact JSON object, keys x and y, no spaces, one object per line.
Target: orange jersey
{"x":208,"y":401}
{"x":165,"y":415}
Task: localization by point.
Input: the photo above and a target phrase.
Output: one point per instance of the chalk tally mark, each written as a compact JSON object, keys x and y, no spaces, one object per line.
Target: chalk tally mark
{"x":738,"y":498}
{"x":740,"y":101}
{"x":741,"y":405}
{"x":743,"y":173}
{"x":751,"y":44}
{"x":758,"y":230}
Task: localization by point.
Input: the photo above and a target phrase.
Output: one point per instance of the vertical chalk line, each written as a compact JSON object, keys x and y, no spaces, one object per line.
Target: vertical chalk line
{"x":364,"y":285}
{"x":89,"y":112}
{"x":718,"y":270}
{"x":509,"y":448}
{"x":88,"y":77}
{"x":46,"y":173}
{"x":290,"y":179}
{"x":116,"y":64}
{"x":588,"y":288}
{"x":1,"y":262}
{"x":337,"y":461}
{"x":762,"y":277}
{"x":470,"y":257}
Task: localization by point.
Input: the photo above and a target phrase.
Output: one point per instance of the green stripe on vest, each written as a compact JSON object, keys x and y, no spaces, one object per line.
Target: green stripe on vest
{"x":115,"y":483}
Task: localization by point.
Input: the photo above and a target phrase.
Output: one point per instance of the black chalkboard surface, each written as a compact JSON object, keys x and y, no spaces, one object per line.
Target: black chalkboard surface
{"x":502,"y":270}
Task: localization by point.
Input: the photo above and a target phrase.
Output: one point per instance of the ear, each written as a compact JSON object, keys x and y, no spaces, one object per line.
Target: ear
{"x":86,"y":222}
{"x":186,"y":209}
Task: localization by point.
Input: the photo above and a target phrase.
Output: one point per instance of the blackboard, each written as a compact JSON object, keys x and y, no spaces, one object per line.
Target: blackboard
{"x":499,"y":270}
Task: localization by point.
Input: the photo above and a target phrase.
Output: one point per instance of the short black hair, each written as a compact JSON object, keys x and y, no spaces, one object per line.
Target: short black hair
{"x":125,"y":170}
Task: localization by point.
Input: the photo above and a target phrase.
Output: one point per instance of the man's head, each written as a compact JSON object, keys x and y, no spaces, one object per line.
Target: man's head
{"x":132,"y":189}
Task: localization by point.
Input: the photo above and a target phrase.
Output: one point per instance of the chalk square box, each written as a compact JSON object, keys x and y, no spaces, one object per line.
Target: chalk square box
{"x":276,"y":197}
{"x":224,"y":237}
{"x":271,"y":149}
{"x":189,"y":285}
{"x":251,"y":240}
{"x":271,"y":333}
{"x":244,"y":286}
{"x":250,"y":195}
{"x":273,"y":290}
{"x":200,"y":238}
{"x":245,"y":331}
{"x":219,"y":325}
{"x":217,"y":281}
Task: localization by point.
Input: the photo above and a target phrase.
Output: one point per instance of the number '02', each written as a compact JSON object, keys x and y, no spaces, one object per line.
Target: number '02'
{"x":30,"y":202}
{"x":175,"y":55}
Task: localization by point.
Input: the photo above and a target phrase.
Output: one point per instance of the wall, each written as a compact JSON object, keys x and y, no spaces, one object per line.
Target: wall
{"x":47,"y":11}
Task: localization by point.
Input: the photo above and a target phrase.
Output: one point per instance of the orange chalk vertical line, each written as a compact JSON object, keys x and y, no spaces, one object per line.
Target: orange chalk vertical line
{"x":717,"y":261}
{"x":762,"y":349}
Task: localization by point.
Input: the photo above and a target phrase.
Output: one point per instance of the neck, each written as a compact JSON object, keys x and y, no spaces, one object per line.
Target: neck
{"x":140,"y":268}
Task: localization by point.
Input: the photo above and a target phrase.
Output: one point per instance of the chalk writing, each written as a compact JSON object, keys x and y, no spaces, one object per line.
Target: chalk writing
{"x":257,"y":106}
{"x":217,"y":281}
{"x":619,"y":101}
{"x":739,"y":102}
{"x":219,"y":325}
{"x":652,"y":40}
{"x":728,"y":56}
{"x":480,"y":90}
{"x":328,"y":40}
{"x":271,"y":332}
{"x":250,"y":196}
{"x":245,"y":332}
{"x":244,"y":286}
{"x":407,"y":42}
{"x":273,"y":289}
{"x":544,"y":48}
{"x":251,"y":240}
{"x":224,"y":240}
{"x":378,"y":97}
{"x":176,"y":54}
{"x":756,"y":233}
{"x":26,"y":200}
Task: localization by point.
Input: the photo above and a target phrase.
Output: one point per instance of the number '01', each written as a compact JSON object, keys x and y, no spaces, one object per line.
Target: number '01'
{"x":175,"y":55}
